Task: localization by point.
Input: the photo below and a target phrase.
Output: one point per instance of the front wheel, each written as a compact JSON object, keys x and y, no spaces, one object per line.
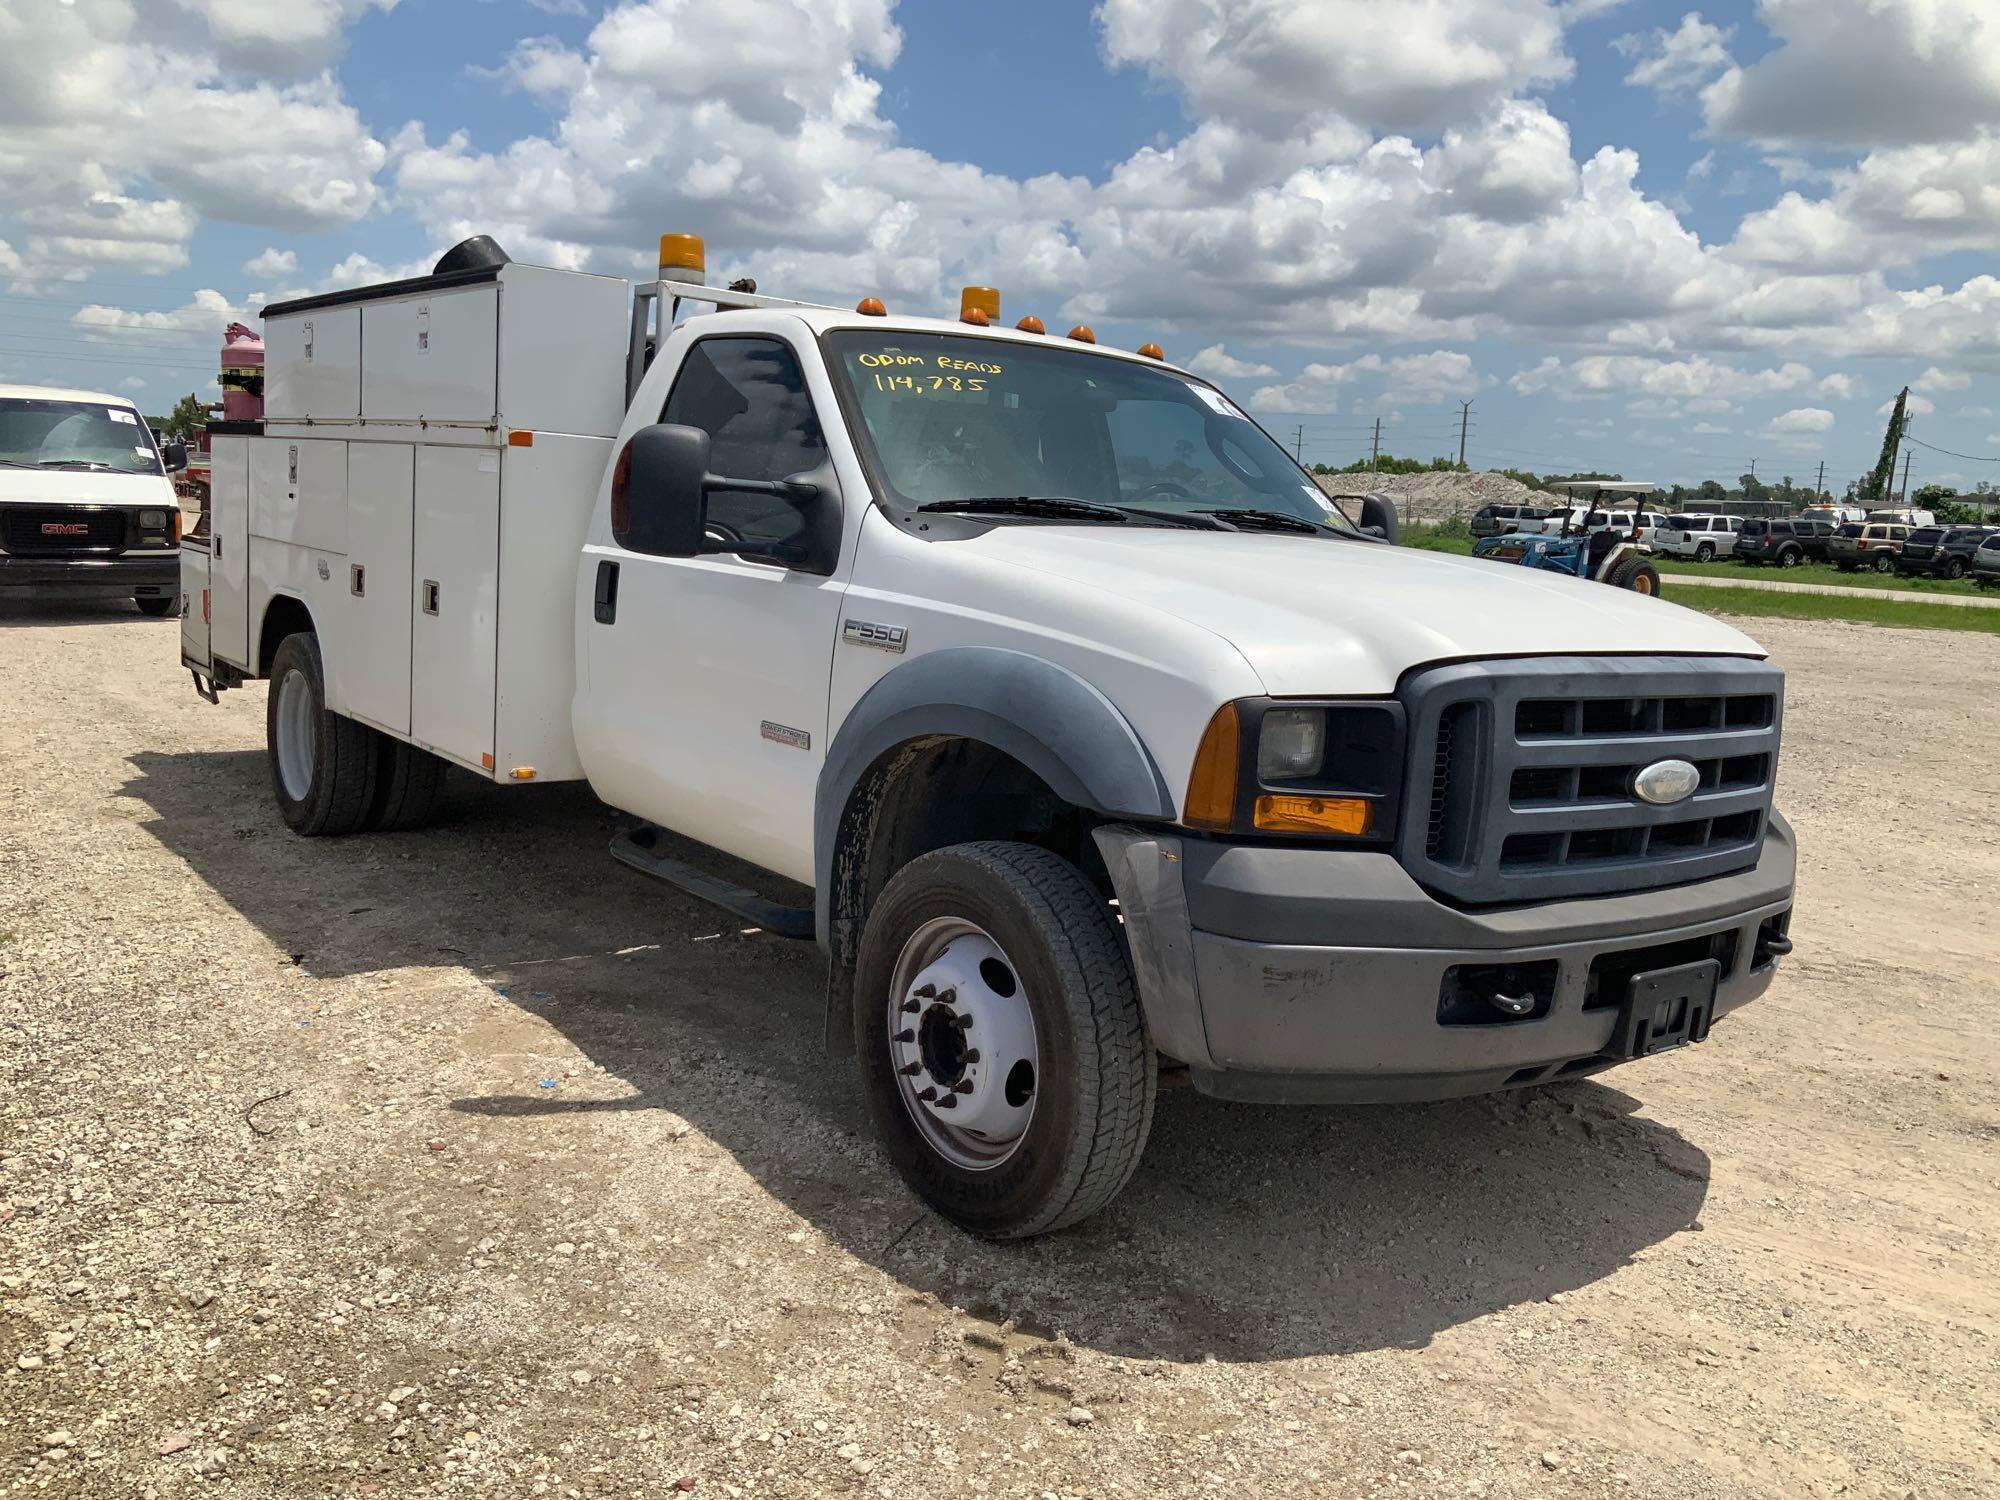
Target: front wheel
{"x":323,"y":764}
{"x":1636,"y":574}
{"x":1954,"y":569}
{"x":1705,"y":552}
{"x":1789,"y":559}
{"x":1004,"y":1054}
{"x":1884,"y":563}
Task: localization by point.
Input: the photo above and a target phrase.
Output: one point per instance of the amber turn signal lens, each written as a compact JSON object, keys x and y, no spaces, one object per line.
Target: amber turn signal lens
{"x":871,"y":307}
{"x":1291,"y":813}
{"x":1211,"y":792}
{"x":1082,"y":334}
{"x":1152,"y":351}
{"x":1031,"y":324}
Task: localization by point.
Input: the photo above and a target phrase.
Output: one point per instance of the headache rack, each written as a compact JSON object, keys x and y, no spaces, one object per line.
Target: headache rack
{"x":1521,"y":784}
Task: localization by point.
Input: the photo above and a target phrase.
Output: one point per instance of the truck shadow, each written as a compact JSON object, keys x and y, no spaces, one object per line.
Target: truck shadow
{"x":1248,"y":1233}
{"x":23,"y":608}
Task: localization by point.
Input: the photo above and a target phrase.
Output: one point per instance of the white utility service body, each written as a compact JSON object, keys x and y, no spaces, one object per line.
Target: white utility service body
{"x":87,"y":507}
{"x":967,"y":725}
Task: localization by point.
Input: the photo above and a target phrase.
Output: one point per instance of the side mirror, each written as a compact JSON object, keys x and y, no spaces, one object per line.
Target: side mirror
{"x":175,"y":455}
{"x":1378,"y":517}
{"x":658,"y":495}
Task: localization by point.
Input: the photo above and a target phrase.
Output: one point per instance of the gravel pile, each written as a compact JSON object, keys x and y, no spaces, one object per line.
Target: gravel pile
{"x":1430,"y":498}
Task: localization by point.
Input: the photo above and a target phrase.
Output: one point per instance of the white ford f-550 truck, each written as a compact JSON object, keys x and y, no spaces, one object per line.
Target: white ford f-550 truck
{"x":1104,"y":742}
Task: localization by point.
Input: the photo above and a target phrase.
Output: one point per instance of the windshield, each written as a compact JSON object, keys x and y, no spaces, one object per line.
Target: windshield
{"x":37,"y":433}
{"x":951,"y":419}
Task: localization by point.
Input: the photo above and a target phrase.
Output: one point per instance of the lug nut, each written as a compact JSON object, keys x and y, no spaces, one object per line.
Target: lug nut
{"x":910,"y":1070}
{"x":961,"y":1087}
{"x":947,"y":1102}
{"x":925,"y":991}
{"x":910,"y":1007}
{"x":906,"y":1035}
{"x":946,"y":997}
{"x":971,"y":1056}
{"x":962,"y":1021}
{"x":927,"y":1095}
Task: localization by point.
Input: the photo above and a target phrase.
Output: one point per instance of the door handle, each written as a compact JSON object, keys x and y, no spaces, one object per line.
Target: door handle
{"x":604,"y":606}
{"x":430,"y":596}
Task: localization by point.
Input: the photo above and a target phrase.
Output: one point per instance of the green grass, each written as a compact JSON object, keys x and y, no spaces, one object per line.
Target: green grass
{"x":1897,"y":612}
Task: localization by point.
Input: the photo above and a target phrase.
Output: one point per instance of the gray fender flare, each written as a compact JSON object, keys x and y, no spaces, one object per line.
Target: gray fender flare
{"x":1043,"y":715}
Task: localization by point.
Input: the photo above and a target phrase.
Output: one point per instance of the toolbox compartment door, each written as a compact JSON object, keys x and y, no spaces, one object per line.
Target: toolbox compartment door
{"x":454,"y":603}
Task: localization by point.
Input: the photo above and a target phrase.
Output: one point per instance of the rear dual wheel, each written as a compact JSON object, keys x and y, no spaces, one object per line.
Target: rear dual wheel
{"x":332,"y":774}
{"x":156,"y":606}
{"x":1006,"y":1061}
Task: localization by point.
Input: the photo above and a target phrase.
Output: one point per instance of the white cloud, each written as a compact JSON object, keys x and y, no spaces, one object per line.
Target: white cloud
{"x":1276,"y":67}
{"x":272,"y":265}
{"x":1406,"y":379}
{"x":1696,"y":379}
{"x":1217,"y":363}
{"x":1916,"y":406}
{"x":1800,"y":419}
{"x":1515,"y":166}
{"x":207,"y":312}
{"x":1866,"y":72}
{"x":1935,"y":380}
{"x":1709,"y":429}
{"x":275,"y":35}
{"x":1842,"y":387}
{"x":1678,"y":61}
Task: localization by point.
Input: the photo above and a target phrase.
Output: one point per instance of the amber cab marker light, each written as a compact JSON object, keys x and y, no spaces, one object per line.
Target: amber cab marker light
{"x":1031,"y":324}
{"x":871,"y":307}
{"x":683,"y":252}
{"x":1211,"y":792}
{"x":1152,"y":351}
{"x":520,"y":438}
{"x":976,"y":316}
{"x":1292,"y":813}
{"x":1082,"y":334}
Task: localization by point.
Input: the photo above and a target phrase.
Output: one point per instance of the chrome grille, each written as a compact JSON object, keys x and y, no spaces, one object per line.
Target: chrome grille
{"x":1521,"y":784}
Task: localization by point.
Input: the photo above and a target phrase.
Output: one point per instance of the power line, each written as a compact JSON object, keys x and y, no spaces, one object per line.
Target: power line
{"x":1968,"y":457}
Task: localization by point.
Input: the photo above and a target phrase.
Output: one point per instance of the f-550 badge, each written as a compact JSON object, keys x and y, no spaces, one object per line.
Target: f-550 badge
{"x":881,"y":637}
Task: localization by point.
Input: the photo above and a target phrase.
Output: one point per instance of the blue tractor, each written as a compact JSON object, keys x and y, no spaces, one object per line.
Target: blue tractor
{"x":1607,"y":555}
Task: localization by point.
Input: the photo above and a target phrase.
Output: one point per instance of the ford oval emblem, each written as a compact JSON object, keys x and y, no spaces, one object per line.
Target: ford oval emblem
{"x":1666,"y":782}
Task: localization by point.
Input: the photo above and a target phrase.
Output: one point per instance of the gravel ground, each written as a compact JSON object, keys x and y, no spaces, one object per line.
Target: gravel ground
{"x":467,"y":1163}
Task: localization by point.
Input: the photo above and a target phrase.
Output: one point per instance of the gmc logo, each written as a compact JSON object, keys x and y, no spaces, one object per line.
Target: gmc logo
{"x":65,"y":528}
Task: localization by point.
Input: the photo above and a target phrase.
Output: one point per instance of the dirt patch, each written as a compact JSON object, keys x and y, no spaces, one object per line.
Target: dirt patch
{"x":467,"y":1163}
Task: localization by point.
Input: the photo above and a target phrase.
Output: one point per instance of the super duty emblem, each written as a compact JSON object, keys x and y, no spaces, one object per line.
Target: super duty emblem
{"x":881,"y":637}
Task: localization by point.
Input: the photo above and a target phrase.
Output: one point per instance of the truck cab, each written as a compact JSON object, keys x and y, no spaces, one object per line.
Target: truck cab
{"x":1095,"y":740}
{"x":87,"y":508}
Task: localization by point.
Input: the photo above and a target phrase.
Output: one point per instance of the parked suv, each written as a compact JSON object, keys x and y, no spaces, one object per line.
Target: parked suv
{"x":1498,"y":520}
{"x":1872,"y":544}
{"x":1786,"y":543}
{"x":1701,"y":537}
{"x":1942,"y":551}
{"x":1986,"y":561}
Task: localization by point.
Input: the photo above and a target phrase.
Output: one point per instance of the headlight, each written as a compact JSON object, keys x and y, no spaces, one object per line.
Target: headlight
{"x":1292,"y":744}
{"x":1331,"y":769}
{"x":152,"y":520}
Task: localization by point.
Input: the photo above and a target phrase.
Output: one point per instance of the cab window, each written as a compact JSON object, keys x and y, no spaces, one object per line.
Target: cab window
{"x":749,"y":395}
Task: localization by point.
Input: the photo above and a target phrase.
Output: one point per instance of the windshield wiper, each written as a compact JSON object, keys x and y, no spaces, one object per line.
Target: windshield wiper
{"x":15,"y":463}
{"x":1245,"y":518}
{"x":1063,"y":508}
{"x":72,"y":463}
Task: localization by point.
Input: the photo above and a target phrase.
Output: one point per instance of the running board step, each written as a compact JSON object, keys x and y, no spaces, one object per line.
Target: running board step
{"x":639,"y":848}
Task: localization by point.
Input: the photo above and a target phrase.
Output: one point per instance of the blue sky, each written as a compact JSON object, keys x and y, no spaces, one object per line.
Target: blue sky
{"x":1651,"y":238}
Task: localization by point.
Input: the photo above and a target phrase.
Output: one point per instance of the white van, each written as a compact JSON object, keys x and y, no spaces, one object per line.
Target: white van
{"x":86,"y":507}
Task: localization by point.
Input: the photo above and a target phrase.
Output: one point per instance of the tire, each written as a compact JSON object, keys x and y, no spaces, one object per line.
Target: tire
{"x":1059,"y":1142}
{"x":1954,"y":569}
{"x":1884,"y":562}
{"x":1790,"y":559}
{"x":1705,"y":552}
{"x":323,"y":765}
{"x":408,"y":786}
{"x":1636,"y":574}
{"x":156,"y":606}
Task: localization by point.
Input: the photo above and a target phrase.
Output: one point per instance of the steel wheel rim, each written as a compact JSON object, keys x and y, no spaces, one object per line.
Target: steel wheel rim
{"x":961,"y":1029}
{"x":295,"y":734}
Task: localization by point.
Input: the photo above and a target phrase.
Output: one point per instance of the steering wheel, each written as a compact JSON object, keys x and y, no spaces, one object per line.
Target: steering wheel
{"x":1165,"y":488}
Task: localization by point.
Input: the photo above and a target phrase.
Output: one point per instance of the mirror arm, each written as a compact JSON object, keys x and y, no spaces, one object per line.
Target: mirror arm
{"x":784,"y":489}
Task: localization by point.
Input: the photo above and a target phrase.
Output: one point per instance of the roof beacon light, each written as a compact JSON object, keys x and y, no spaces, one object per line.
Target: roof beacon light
{"x":871,"y":307}
{"x":1082,"y":334}
{"x":984,"y":300}
{"x":683,"y":257}
{"x":1151,"y":351}
{"x":1031,"y":324}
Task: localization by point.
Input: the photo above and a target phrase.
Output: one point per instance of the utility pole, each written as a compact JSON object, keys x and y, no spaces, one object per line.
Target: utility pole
{"x":1375,"y":453}
{"x":1464,"y":415}
{"x":1903,"y":495}
{"x":1753,"y":468}
{"x":1819,"y":484}
{"x":1298,"y":441}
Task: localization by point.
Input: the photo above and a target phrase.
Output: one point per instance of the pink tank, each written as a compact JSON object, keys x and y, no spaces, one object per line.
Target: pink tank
{"x":242,"y":375}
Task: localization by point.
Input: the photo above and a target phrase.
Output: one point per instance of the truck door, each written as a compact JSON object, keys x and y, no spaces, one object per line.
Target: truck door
{"x":708,"y":677}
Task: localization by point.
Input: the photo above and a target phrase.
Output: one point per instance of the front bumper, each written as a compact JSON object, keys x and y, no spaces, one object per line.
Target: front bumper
{"x":1305,"y":975}
{"x":139,"y":575}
